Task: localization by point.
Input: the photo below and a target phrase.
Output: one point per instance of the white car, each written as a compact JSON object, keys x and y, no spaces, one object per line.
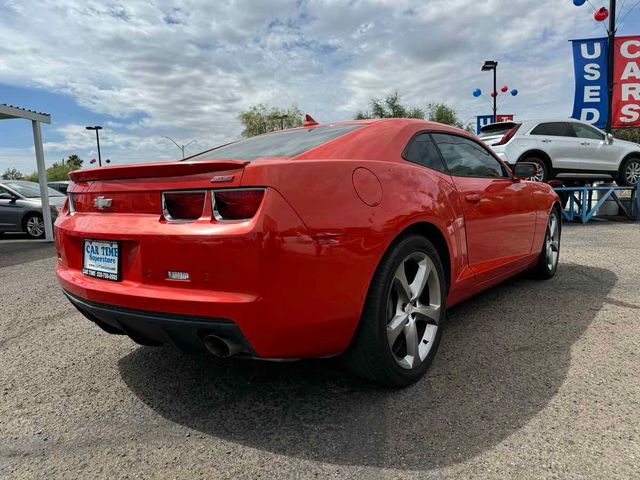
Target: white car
{"x":565,"y":149}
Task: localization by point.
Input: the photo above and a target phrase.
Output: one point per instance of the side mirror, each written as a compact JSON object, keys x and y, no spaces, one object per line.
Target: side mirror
{"x":525,"y":170}
{"x":608,"y":139}
{"x":6,"y":196}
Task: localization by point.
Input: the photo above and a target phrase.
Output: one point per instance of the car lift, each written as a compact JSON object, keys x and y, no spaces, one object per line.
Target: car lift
{"x":580,"y":201}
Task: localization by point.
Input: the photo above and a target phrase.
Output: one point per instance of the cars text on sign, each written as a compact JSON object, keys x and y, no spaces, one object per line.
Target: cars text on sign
{"x":626,"y":85}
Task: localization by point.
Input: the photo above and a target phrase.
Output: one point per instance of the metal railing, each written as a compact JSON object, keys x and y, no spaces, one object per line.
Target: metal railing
{"x":580,"y":201}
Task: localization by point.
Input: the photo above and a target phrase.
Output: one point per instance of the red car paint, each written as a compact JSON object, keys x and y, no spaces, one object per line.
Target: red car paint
{"x":295,"y":276}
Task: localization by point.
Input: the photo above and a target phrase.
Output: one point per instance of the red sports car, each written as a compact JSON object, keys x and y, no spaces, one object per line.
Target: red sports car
{"x":339,"y":239}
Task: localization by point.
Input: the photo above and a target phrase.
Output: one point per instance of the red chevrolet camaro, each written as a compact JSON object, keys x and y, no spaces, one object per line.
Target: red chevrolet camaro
{"x":340,"y":239}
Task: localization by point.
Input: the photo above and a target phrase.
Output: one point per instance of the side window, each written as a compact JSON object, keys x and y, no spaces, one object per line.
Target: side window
{"x":466,"y":158}
{"x":553,"y":129}
{"x":584,"y":131}
{"x":422,"y":150}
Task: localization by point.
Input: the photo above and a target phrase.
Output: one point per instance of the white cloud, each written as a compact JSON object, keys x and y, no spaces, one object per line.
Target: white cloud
{"x":187,"y":68}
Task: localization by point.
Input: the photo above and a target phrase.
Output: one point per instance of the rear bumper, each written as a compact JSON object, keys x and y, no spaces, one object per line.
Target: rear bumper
{"x":286,"y":294}
{"x":154,"y":328}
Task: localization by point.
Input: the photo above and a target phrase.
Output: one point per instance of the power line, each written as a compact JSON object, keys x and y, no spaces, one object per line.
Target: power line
{"x":628,"y":12}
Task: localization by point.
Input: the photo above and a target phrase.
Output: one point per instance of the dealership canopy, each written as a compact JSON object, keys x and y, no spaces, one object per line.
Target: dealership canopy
{"x":9,"y":112}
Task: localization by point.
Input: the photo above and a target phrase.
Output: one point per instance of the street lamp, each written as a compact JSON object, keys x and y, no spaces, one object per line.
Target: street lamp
{"x":488,"y":66}
{"x":97,"y":128}
{"x":181,"y":147}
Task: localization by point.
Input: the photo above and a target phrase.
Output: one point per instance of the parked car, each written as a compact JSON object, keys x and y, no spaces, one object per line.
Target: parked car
{"x":566,"y":149}
{"x":344,"y":239}
{"x":21,"y":207}
{"x":60,"y":186}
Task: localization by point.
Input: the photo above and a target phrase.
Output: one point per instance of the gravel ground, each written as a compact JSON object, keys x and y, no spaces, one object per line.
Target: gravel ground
{"x":532,"y":380}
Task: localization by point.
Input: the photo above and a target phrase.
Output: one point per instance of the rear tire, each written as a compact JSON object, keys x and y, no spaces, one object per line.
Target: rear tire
{"x":400,"y":327}
{"x":34,"y":225}
{"x":544,"y":170}
{"x":550,"y":255}
{"x":629,"y":174}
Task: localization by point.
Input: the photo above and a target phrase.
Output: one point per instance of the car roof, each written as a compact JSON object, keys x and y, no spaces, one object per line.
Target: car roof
{"x":549,"y":120}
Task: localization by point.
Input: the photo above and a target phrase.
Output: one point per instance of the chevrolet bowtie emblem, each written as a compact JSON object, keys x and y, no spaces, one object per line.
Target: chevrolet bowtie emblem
{"x":101,"y":203}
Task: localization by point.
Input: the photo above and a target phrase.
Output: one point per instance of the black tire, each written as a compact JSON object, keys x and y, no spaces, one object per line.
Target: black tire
{"x":623,"y":176}
{"x":32,"y":233}
{"x":542,"y":165}
{"x":370,"y":355}
{"x":546,"y":267}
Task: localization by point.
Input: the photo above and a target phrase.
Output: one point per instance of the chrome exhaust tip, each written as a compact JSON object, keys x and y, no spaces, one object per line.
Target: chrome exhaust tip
{"x":221,"y":347}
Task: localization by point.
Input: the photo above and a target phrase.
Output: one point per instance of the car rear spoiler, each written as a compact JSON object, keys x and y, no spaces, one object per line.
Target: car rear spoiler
{"x":148,"y":170}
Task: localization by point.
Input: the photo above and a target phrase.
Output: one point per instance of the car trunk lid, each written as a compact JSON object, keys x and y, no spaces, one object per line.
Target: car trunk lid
{"x":138,"y":188}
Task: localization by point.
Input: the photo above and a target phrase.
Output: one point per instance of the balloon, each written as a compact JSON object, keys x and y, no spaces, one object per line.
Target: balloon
{"x":601,"y":15}
{"x":494,"y":94}
{"x":514,"y":92}
{"x":579,"y":3}
{"x":477,"y":92}
{"x":505,"y":89}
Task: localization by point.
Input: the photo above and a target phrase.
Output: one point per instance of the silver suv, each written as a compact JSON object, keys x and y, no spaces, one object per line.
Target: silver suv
{"x":565,"y":149}
{"x":21,"y":208}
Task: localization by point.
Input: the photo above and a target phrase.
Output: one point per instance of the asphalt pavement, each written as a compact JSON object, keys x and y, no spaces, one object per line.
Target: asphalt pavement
{"x":532,"y":380}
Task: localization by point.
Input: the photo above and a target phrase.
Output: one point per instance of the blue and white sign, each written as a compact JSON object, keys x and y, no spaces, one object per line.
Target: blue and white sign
{"x":483,"y":120}
{"x":590,"y":58}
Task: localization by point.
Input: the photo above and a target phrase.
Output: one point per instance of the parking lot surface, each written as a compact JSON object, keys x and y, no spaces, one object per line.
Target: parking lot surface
{"x":532,"y":380}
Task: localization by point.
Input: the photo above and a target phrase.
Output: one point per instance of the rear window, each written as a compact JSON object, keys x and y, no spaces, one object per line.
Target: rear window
{"x":287,"y":143}
{"x":496,"y":129}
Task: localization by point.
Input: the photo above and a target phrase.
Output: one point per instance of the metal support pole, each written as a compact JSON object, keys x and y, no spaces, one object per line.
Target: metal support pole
{"x":42,"y":179}
{"x":98,"y":142}
{"x":635,"y":207}
{"x":612,"y":44}
{"x":495,"y":94}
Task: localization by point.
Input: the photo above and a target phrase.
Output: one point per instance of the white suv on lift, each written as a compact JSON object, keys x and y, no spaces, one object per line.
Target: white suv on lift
{"x":565,"y":149}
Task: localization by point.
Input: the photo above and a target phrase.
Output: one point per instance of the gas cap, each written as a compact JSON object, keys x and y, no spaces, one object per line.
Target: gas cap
{"x":367,"y":186}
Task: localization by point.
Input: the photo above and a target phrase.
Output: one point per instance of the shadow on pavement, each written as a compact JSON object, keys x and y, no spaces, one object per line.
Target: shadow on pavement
{"x":503,"y":357}
{"x":17,"y":248}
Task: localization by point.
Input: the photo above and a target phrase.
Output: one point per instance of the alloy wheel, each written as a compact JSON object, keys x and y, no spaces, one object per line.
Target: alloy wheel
{"x":539,"y":177}
{"x":35,"y":226}
{"x":632,"y":172}
{"x":413,"y":310}
{"x":552,"y":242}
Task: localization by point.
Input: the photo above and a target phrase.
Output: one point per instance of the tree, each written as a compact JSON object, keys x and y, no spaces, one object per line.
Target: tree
{"x":390,"y":107}
{"x":261,"y":119}
{"x":59,"y":171}
{"x":74,"y":161}
{"x":629,"y":134}
{"x":12,"y":174}
{"x":443,"y":113}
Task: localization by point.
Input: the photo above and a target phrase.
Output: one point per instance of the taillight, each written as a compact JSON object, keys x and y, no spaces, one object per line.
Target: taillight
{"x":507,"y":136}
{"x":240,"y":204}
{"x":183,"y":206}
{"x":71,"y":204}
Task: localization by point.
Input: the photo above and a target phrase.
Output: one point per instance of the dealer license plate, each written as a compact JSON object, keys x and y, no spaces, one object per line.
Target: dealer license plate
{"x":101,"y":259}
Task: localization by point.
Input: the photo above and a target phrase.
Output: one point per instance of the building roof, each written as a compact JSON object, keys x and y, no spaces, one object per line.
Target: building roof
{"x":9,"y":111}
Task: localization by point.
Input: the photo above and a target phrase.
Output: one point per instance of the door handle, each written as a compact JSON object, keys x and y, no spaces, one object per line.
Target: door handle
{"x":472,"y":198}
{"x":546,"y":140}
{"x":585,"y":143}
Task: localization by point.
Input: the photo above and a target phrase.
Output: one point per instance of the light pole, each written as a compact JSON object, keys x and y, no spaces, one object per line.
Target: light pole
{"x":97,"y":128}
{"x":281,"y":118}
{"x":181,"y":147}
{"x":612,"y":40}
{"x":488,"y":66}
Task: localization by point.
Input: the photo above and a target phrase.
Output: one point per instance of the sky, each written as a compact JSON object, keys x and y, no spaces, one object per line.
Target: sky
{"x":148,"y":69}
